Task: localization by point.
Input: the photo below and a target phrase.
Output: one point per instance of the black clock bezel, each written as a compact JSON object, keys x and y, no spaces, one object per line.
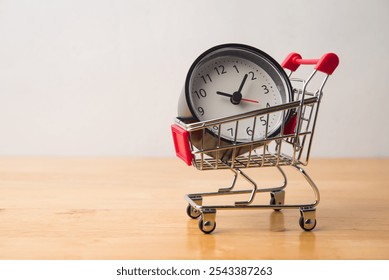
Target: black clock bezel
{"x":273,"y":63}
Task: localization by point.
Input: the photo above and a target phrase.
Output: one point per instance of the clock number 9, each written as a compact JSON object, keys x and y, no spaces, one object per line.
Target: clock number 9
{"x":200,"y":110}
{"x":200,"y":93}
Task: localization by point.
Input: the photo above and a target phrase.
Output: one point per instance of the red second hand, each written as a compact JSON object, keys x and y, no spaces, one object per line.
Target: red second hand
{"x":249,"y":100}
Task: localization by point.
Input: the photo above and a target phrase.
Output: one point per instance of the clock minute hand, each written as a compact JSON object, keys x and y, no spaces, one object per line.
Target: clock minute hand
{"x":242,"y":83}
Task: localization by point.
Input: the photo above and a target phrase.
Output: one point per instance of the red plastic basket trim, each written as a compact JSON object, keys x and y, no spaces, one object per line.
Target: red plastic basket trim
{"x":290,"y":125}
{"x":181,"y":144}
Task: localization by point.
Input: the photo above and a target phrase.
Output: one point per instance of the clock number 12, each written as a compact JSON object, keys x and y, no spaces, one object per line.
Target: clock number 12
{"x":220,"y":70}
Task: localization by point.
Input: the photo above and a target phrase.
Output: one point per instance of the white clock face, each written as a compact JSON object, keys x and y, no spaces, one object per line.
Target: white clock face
{"x":228,"y":83}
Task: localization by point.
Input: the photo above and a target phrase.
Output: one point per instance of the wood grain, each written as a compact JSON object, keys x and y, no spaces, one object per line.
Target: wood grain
{"x":133,"y":208}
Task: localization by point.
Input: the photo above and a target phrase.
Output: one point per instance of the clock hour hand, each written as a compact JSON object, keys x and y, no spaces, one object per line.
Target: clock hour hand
{"x":224,"y":94}
{"x":237,"y":98}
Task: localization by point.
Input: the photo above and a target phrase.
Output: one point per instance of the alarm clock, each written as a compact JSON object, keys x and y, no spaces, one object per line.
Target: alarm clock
{"x":232,"y":79}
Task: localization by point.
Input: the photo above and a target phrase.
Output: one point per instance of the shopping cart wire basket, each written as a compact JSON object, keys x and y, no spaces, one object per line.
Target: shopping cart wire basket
{"x":290,"y":147}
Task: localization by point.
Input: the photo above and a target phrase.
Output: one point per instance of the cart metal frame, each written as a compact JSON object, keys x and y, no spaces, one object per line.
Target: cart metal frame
{"x":291,"y":147}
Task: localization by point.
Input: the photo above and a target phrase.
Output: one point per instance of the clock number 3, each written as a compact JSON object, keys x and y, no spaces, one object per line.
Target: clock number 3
{"x":265,"y":89}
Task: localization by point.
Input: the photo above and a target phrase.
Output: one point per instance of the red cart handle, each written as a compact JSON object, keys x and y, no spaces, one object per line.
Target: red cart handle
{"x":326,"y":64}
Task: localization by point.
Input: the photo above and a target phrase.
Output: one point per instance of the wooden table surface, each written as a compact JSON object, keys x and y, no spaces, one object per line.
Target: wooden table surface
{"x":130,"y":208}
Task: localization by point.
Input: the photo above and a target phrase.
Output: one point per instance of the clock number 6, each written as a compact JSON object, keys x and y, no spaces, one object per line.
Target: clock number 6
{"x":249,"y":131}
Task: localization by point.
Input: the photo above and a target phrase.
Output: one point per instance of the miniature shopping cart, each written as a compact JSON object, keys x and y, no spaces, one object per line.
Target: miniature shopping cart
{"x":291,"y":147}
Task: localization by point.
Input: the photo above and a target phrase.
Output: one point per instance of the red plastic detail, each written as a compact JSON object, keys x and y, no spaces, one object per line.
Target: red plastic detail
{"x":181,"y":144}
{"x":290,"y":62}
{"x":290,"y":125}
{"x":306,"y":61}
{"x":327,"y":63}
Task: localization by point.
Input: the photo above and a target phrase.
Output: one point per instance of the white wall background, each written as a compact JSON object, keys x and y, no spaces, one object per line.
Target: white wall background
{"x":102,"y":77}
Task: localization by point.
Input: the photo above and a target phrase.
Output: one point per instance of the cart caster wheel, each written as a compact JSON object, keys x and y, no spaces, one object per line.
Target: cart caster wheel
{"x":192,"y":212}
{"x":207,"y":223}
{"x":207,"y":226}
{"x":307,"y":224}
